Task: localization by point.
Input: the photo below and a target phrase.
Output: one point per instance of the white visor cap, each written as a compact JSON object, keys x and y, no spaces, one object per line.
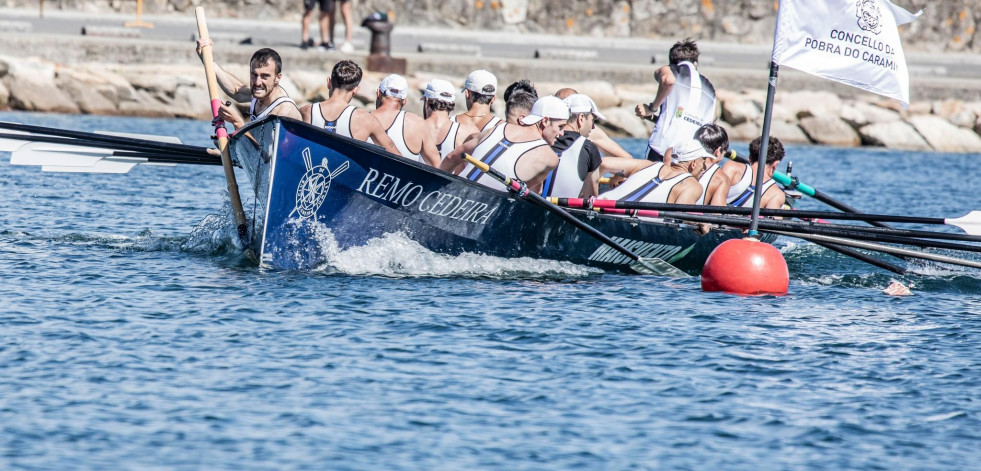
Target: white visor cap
{"x":580,"y":103}
{"x":394,"y":86}
{"x":482,"y":82}
{"x":689,"y":151}
{"x":439,"y":89}
{"x":546,"y":107}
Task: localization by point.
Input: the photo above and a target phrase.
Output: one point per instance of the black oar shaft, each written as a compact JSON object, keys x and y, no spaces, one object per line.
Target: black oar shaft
{"x":883,"y":248}
{"x":89,"y":136}
{"x":789,"y":213}
{"x":860,"y":233}
{"x":861,"y":256}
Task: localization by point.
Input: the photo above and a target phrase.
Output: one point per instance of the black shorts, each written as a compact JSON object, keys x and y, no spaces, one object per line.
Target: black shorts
{"x":325,"y":5}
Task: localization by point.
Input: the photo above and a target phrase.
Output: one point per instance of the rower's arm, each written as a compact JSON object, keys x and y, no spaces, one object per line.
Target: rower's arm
{"x":665,"y":82}
{"x":454,"y":162}
{"x":232,"y":86}
{"x":377,"y":133}
{"x":606,"y":145}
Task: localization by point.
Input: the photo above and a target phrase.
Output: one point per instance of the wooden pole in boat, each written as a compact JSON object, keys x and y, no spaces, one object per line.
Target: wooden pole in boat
{"x":226,"y":158}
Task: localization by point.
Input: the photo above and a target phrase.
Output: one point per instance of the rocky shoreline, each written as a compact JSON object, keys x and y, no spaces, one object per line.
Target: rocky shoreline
{"x":800,"y":117}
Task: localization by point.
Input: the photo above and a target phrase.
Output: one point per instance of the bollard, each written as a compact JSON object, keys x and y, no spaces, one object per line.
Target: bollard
{"x":380,"y":58}
{"x":139,"y":23}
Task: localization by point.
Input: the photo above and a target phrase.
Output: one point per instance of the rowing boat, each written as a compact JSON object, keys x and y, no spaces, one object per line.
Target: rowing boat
{"x":308,"y":183}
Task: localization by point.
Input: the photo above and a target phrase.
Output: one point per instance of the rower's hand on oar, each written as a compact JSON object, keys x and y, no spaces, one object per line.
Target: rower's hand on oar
{"x":230,"y":115}
{"x":703,"y":228}
{"x":202,"y":43}
{"x":615,"y":179}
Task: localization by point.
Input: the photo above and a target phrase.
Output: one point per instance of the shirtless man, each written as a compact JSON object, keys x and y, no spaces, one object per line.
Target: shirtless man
{"x":743,"y":177}
{"x":338,"y":115}
{"x":437,"y":103}
{"x":407,"y":130}
{"x":606,"y":145}
{"x":517,"y":150}
{"x":659,"y":182}
{"x":267,"y":97}
{"x":714,"y":181}
{"x":480,"y":90}
{"x":577,"y":175}
{"x":685,"y":98}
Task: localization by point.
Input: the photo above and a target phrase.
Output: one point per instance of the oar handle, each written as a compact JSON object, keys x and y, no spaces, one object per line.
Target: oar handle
{"x":226,"y":160}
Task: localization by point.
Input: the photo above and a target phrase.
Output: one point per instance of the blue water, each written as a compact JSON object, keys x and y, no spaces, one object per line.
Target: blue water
{"x":133,"y":336}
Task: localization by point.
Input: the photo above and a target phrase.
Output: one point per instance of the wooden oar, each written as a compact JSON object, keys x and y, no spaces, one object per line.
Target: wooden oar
{"x":645,"y":265}
{"x":226,"y":159}
{"x":969,"y":223}
{"x":882,"y":248}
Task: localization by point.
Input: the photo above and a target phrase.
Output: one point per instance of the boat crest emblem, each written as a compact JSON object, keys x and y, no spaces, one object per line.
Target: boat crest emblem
{"x":314,"y":185}
{"x":869,"y":16}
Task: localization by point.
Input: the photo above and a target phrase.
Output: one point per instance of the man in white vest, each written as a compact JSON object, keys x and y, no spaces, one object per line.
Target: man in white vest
{"x":518,"y":151}
{"x":438,"y":101}
{"x":685,"y":98}
{"x":577,"y":174}
{"x":407,"y":130}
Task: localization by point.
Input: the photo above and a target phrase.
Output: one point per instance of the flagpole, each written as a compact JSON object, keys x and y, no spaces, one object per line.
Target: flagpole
{"x":771,"y":90}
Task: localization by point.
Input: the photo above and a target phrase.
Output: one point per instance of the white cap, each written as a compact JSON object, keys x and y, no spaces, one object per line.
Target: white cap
{"x":439,"y":89}
{"x":579,"y":103}
{"x":689,"y":151}
{"x":478,"y":80}
{"x":546,"y":107}
{"x":394,"y":86}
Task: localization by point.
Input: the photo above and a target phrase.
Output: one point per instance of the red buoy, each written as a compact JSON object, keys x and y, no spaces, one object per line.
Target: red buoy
{"x":746,"y":266}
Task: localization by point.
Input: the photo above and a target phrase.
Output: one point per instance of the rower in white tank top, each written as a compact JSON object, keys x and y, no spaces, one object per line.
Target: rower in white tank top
{"x":646,"y":186}
{"x":253,"y":116}
{"x":501,"y":154}
{"x":397,"y":132}
{"x":706,"y":178}
{"x":564,"y":181}
{"x":690,"y":104}
{"x":341,"y":125}
{"x":449,"y":142}
{"x":494,"y":121}
{"x":745,"y":199}
{"x":741,"y":186}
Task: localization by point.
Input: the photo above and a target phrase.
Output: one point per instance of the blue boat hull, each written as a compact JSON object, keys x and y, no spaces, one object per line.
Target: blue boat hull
{"x":308,"y":182}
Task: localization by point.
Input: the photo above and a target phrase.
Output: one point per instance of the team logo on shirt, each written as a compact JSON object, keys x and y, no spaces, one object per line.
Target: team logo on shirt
{"x":869,"y":16}
{"x":314,"y":185}
{"x":679,"y":112}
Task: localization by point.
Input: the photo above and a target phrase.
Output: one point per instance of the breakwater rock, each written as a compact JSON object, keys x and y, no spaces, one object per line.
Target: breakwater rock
{"x":800,"y":117}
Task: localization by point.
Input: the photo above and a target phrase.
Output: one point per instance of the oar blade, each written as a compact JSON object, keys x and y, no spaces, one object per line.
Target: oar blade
{"x":970,"y":223}
{"x":57,"y":155}
{"x":657,"y":266}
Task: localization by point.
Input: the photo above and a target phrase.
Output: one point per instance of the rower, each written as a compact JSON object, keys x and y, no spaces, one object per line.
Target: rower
{"x":518,"y":151}
{"x":606,"y":145}
{"x":263,"y":91}
{"x":715,"y":183}
{"x":408,"y":130}
{"x":685,"y":98}
{"x":480,"y":91}
{"x":523,"y":85}
{"x":338,"y":115}
{"x":658,"y":182}
{"x":437,"y":102}
{"x":519,"y":105}
{"x":577,"y":175}
{"x":742,"y":191}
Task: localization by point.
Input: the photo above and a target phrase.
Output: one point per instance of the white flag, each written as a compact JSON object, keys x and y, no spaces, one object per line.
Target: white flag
{"x":855,"y":42}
